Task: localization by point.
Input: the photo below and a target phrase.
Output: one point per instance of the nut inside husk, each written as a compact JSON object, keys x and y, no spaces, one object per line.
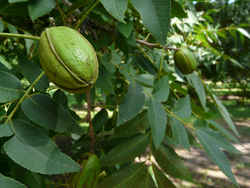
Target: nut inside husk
{"x":68,"y":59}
{"x":185,"y":61}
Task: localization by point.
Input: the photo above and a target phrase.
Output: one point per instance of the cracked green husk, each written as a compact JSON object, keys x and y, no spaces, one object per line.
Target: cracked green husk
{"x":68,"y":59}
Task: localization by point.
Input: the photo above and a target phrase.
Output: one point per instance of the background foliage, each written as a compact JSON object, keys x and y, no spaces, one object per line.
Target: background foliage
{"x":143,"y":107}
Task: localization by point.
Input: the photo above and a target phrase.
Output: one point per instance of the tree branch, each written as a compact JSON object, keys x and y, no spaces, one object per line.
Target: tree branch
{"x":91,"y":128}
{"x":19,"y":36}
{"x":154,"y":45}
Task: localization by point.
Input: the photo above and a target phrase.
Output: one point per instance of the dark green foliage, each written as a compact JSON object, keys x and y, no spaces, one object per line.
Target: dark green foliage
{"x":141,"y":106}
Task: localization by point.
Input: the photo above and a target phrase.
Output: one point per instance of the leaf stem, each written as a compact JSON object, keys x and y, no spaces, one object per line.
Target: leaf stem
{"x":60,"y":10}
{"x":84,"y":16}
{"x":19,"y":36}
{"x":91,"y":128}
{"x":23,"y":97}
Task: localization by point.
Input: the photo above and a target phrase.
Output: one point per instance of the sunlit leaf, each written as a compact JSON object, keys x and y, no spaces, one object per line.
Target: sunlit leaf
{"x":171,"y":163}
{"x":224,"y":113}
{"x":158,"y":20}
{"x":244,"y":32}
{"x":212,"y":148}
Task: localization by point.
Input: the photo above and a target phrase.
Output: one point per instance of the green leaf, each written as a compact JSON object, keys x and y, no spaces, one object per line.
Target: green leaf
{"x":196,"y":82}
{"x":31,"y":71}
{"x":157,"y":118}
{"x":214,"y":153}
{"x":32,"y":149}
{"x":17,"y":10}
{"x":65,"y":121}
{"x":177,"y":10}
{"x":29,"y":44}
{"x":223,"y":131}
{"x":5,"y":130}
{"x":220,"y":141}
{"x":7,"y":182}
{"x":146,"y":80}
{"x":126,"y":151}
{"x":116,"y":8}
{"x":104,"y":81}
{"x":38,"y":8}
{"x":100,"y":119}
{"x":162,"y":180}
{"x":115,"y":58}
{"x":42,"y":110}
{"x":145,"y":64}
{"x":1,"y":26}
{"x":134,"y":126}
{"x":179,"y":133}
{"x":17,"y":1}
{"x":155,"y":16}
{"x":135,"y":175}
{"x":33,"y":179}
{"x":182,"y":107}
{"x":10,"y":87}
{"x":224,"y":113}
{"x":12,"y":28}
{"x":161,"y":89}
{"x":147,"y":181}
{"x":132,"y":104}
{"x":5,"y":66}
{"x":60,"y":98}
{"x":244,"y":32}
{"x":105,"y":61}
{"x":171,"y":163}
{"x":125,"y":29}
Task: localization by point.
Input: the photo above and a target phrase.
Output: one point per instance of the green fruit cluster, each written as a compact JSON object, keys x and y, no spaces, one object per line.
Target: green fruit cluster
{"x":185,"y":61}
{"x":68,"y":59}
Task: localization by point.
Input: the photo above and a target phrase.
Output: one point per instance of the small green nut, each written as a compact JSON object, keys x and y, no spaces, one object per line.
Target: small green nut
{"x":185,"y":61}
{"x":68,"y":59}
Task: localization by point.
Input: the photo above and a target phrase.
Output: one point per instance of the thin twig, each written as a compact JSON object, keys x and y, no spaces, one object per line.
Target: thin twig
{"x":60,"y":10}
{"x":154,"y":45}
{"x":91,"y":128}
{"x":84,"y":16}
{"x":148,"y":44}
{"x":23,"y":97}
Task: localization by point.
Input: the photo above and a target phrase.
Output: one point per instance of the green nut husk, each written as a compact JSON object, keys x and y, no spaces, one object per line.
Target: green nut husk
{"x":68,"y":59}
{"x":185,"y":61}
